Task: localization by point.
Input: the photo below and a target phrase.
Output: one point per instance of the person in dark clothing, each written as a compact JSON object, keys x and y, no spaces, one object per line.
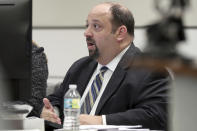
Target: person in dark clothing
{"x":124,"y":94}
{"x":39,"y":78}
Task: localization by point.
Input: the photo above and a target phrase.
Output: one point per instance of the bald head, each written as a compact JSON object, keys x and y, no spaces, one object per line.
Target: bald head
{"x":104,"y":7}
{"x":119,"y":15}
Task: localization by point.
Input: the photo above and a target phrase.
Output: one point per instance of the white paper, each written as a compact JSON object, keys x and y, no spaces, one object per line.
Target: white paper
{"x":128,"y":129}
{"x":90,"y":127}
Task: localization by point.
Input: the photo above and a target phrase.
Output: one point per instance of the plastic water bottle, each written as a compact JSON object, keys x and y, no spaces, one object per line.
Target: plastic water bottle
{"x":71,"y":108}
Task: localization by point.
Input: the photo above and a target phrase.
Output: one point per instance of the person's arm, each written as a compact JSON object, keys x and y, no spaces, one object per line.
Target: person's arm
{"x":150,"y":109}
{"x":90,"y":120}
{"x":48,"y":112}
{"x":56,"y":98}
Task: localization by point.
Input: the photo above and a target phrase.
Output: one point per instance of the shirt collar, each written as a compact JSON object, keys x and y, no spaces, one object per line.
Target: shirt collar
{"x":112,"y":65}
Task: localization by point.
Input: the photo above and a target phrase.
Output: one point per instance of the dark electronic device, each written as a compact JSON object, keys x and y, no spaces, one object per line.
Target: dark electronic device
{"x":15,"y":48}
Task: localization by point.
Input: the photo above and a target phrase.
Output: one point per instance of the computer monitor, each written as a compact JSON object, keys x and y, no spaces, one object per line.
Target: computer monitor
{"x":15,"y":48}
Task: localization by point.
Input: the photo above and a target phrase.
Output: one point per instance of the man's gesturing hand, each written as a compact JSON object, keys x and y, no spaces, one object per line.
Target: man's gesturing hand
{"x":48,"y":112}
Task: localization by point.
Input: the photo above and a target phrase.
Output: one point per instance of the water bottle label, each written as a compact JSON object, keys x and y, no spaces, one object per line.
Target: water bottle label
{"x":72,"y":103}
{"x":76,"y":103}
{"x":67,"y":103}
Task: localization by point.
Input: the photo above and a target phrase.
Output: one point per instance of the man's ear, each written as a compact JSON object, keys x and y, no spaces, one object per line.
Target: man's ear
{"x":121,"y":33}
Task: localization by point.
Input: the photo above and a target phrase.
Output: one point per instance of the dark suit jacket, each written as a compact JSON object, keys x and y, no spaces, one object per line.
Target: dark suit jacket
{"x":133,"y":95}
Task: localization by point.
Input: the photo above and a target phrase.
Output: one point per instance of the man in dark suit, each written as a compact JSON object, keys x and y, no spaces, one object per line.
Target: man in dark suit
{"x":128,"y":95}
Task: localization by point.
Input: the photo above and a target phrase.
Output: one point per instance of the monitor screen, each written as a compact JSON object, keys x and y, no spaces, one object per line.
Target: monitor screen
{"x":15,"y":49}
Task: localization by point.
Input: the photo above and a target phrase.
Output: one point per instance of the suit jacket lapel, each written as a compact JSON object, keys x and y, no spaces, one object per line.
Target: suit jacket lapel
{"x":86,"y":75}
{"x":118,"y":76}
{"x":112,"y":86}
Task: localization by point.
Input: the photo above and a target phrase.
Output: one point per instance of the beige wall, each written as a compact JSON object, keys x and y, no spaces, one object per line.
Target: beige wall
{"x":74,"y":12}
{"x":63,"y":46}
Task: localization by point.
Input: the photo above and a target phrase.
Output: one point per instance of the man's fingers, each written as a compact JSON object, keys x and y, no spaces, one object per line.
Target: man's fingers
{"x":50,"y":116}
{"x":58,"y":121}
{"x":48,"y":112}
{"x":47,"y":104}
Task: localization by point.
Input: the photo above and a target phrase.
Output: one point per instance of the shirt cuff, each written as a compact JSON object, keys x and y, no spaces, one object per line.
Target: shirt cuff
{"x":104,"y":120}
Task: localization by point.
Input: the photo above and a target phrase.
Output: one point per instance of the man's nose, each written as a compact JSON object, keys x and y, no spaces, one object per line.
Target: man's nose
{"x":88,"y":33}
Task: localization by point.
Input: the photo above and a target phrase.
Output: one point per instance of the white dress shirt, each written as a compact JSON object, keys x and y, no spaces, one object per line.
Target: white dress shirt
{"x":111,"y":68}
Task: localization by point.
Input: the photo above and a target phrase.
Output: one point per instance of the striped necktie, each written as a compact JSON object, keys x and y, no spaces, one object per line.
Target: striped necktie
{"x":93,"y":92}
